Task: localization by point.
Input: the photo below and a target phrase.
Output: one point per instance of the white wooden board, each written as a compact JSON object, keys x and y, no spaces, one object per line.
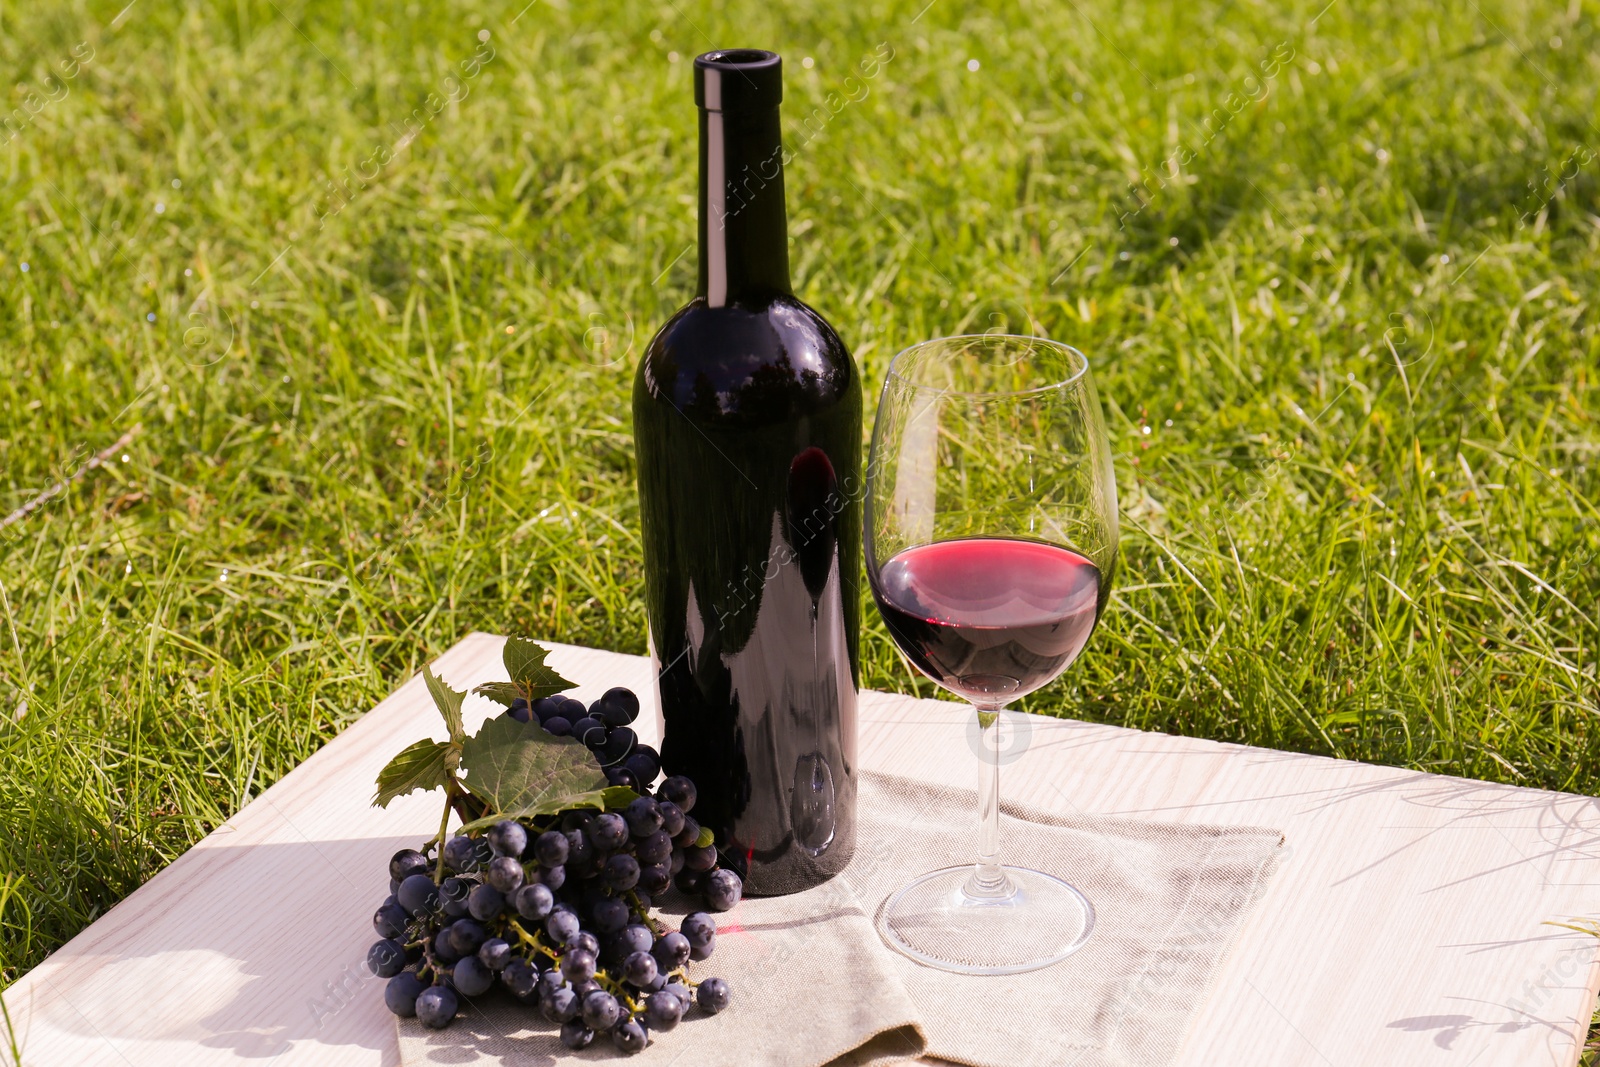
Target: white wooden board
{"x":1406,"y":927}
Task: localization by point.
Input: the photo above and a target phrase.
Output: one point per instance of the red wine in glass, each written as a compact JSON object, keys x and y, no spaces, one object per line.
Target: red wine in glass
{"x":990,"y":618}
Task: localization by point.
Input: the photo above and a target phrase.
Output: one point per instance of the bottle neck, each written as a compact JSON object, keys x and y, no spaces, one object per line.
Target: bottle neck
{"x":744,"y":239}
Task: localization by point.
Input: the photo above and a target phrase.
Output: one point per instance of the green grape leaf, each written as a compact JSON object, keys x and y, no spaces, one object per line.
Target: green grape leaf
{"x":518,"y":770}
{"x":618,"y":797}
{"x":425,"y":765}
{"x":449,"y":704}
{"x":705,"y":838}
{"x":502,"y":693}
{"x":524,"y":661}
{"x":530,"y":678}
{"x":607,"y":799}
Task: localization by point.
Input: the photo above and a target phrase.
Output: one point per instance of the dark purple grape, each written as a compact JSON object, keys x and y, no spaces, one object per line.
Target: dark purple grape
{"x":722,"y":889}
{"x":638,"y":938}
{"x":444,"y":947}
{"x":619,"y":744}
{"x":655,"y":879}
{"x":570,"y":709}
{"x":700,"y":859}
{"x":690,"y":833}
{"x":623,"y":777}
{"x":560,"y":1006}
{"x":520,"y":978}
{"x":400,"y":993}
{"x":698,"y":927}
{"x":630,"y":1037}
{"x":470,"y":977}
{"x":467,"y":936}
{"x":386,"y":958}
{"x":575,"y":1035}
{"x":609,"y":832}
{"x":580,"y":850}
{"x":463,"y":854}
{"x":520,"y":710}
{"x":553,"y":877}
{"x":621,"y":872}
{"x":534,"y":901}
{"x":508,"y":838}
{"x":617,"y":707}
{"x":643,"y":817}
{"x":418,"y":895}
{"x":505,"y":874}
{"x":558,"y":725}
{"x":591,"y":731}
{"x":545,"y":707}
{"x":562,"y":926}
{"x":639,"y":969}
{"x":551,"y":848}
{"x":485,"y":902}
{"x":405,"y":863}
{"x":495,"y":953}
{"x":610,"y":915}
{"x":600,"y":1010}
{"x":644,"y":762}
{"x":390,"y":919}
{"x":634,"y":938}
{"x":549,"y":982}
{"x":687,"y":881}
{"x":453,"y":896}
{"x":703,"y":952}
{"x":577,"y":965}
{"x":684,"y":994}
{"x":713,"y":995}
{"x":680,"y":791}
{"x":672,"y":817}
{"x":655,"y":848}
{"x":671,"y":951}
{"x":662,"y":1011}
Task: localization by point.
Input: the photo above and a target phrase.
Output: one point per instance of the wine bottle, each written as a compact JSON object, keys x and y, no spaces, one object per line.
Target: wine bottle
{"x":747,"y":429}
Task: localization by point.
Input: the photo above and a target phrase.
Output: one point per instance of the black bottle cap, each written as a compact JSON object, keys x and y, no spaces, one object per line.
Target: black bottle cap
{"x":738,"y":80}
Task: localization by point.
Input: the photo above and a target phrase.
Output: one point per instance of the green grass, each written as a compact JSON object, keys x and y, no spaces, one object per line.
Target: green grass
{"x":1352,"y":392}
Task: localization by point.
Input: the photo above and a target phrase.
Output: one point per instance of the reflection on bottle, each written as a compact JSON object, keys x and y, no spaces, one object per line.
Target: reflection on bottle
{"x":809,"y":507}
{"x":797,"y":709}
{"x":812,"y":812}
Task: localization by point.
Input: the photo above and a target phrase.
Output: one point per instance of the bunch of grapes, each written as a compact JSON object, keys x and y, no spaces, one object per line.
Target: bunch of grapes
{"x":555,"y":908}
{"x":605,"y":729}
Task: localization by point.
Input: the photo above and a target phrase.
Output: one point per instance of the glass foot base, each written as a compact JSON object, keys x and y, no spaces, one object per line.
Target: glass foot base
{"x":936,"y":921}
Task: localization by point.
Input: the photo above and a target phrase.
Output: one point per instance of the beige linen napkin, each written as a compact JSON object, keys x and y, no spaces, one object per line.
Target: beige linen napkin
{"x":814,"y":984}
{"x":1168,"y":900}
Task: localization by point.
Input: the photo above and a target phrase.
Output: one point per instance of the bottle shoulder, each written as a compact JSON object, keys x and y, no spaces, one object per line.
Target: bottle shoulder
{"x":743,"y":361}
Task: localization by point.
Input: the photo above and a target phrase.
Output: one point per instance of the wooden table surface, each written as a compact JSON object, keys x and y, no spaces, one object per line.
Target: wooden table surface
{"x":1407,"y":926}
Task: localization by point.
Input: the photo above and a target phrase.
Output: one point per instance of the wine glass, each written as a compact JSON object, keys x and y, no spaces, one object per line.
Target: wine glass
{"x":991,"y":545}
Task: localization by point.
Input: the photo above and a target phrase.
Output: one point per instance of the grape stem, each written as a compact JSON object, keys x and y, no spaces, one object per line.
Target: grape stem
{"x":465,"y":805}
{"x":615,"y":988}
{"x":430,"y":964}
{"x":532,"y":939}
{"x":656,"y":928}
{"x":444,"y":826}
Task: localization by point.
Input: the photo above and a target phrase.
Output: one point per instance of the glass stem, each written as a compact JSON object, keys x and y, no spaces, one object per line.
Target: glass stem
{"x":989,"y":881}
